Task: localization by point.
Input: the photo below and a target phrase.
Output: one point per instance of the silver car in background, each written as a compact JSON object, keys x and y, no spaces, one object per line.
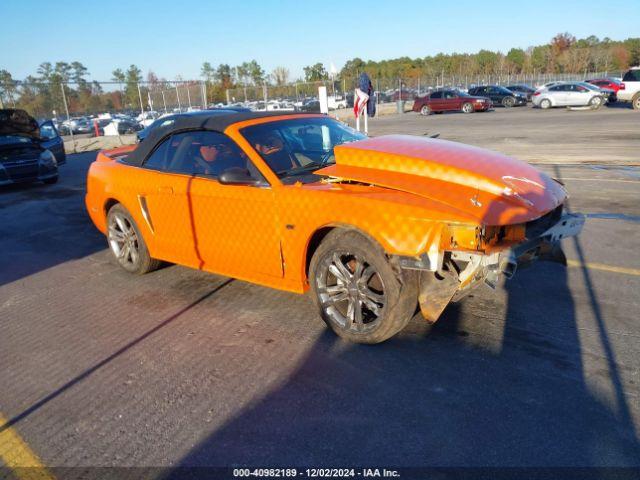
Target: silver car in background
{"x":568,"y":94}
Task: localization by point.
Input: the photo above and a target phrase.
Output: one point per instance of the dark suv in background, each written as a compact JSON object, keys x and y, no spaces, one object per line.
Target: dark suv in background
{"x":500,"y":95}
{"x":23,"y":154}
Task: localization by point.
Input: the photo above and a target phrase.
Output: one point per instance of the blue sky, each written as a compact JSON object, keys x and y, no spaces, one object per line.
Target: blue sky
{"x":175,"y":37}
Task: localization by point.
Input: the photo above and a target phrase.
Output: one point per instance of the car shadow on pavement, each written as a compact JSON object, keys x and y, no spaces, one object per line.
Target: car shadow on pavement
{"x":484,"y":387}
{"x":45,"y":225}
{"x":107,"y":360}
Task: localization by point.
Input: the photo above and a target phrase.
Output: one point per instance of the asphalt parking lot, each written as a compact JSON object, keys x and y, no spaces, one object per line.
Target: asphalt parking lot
{"x":182,"y":368}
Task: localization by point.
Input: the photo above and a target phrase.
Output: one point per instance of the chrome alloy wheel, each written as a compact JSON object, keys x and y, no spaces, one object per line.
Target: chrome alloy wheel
{"x":123,"y":240}
{"x":351,"y":292}
{"x":596,"y":102}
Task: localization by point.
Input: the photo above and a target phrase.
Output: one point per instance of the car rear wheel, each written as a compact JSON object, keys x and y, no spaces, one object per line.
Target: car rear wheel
{"x":635,"y":102}
{"x":51,"y":181}
{"x":467,"y":108}
{"x":126,"y":242}
{"x":545,"y":103}
{"x":508,"y":102}
{"x":595,"y":102}
{"x":425,"y":110}
{"x":357,"y":291}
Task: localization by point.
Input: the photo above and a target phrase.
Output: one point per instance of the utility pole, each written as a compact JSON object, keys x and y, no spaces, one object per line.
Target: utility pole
{"x":264,"y":91}
{"x":204,"y":95}
{"x":66,"y":108}
{"x":140,"y":97}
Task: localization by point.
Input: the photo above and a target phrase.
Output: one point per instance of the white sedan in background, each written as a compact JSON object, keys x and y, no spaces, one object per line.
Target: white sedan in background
{"x":568,"y":94}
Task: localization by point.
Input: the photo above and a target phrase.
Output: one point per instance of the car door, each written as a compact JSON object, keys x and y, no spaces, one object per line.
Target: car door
{"x":162,"y":185}
{"x":496,"y":95}
{"x":451,"y":101}
{"x":577,"y":95}
{"x":436,"y":102}
{"x":490,"y":93}
{"x":234,"y":226}
{"x":53,"y":141}
{"x":482,"y":92}
{"x":558,"y":94}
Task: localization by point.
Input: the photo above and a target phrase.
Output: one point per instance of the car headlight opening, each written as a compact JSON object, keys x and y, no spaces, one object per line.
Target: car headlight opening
{"x":48,"y":159}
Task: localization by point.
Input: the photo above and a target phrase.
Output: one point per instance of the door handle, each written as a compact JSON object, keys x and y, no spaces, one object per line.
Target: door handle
{"x":167,"y":190}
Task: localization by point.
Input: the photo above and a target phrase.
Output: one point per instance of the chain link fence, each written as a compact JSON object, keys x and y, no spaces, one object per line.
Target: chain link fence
{"x":47,"y":100}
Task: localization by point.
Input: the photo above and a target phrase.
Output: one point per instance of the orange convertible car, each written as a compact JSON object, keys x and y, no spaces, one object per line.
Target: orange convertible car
{"x":375,"y":227}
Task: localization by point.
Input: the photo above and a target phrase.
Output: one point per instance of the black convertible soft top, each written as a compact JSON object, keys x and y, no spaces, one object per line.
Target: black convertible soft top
{"x":216,"y":120}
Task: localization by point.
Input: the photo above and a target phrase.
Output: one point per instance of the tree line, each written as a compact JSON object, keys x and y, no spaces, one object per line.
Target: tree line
{"x":563,"y":54}
{"x":42,"y":93}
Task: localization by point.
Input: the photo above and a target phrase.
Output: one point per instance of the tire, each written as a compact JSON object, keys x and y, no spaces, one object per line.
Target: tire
{"x":635,"y":102}
{"x":126,"y":243}
{"x":467,"y":107}
{"x":425,"y":110}
{"x":51,"y":181}
{"x":508,"y":102}
{"x":596,"y":102}
{"x":545,"y":103}
{"x":358,"y":293}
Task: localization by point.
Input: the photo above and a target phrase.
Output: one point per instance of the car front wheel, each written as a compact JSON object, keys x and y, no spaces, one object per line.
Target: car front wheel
{"x":467,"y":108}
{"x":595,"y":102}
{"x":508,"y":102}
{"x":126,"y":242}
{"x":425,"y":110}
{"x":357,"y":291}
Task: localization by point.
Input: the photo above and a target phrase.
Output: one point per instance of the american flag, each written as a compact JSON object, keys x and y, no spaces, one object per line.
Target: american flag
{"x":360,"y":102}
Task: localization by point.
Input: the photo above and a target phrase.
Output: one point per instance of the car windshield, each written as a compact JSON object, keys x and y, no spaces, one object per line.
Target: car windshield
{"x":299,"y":146}
{"x":462,"y":94}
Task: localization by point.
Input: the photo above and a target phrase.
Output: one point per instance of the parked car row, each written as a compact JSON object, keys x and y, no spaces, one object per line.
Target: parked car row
{"x":592,"y":93}
{"x":106,"y":124}
{"x":477,"y":99}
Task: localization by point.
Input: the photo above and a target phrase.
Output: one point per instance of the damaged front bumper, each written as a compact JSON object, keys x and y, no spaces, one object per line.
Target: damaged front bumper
{"x":545,"y":247}
{"x":455,"y":274}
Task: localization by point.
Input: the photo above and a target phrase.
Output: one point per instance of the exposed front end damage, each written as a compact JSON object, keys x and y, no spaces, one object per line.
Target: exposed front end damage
{"x":451,"y":274}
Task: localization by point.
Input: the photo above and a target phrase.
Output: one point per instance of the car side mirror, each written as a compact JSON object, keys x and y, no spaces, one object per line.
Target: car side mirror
{"x":238,"y":176}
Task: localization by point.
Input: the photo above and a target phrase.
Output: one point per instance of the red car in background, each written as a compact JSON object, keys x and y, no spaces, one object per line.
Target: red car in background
{"x":450,"y":100}
{"x":610,"y":83}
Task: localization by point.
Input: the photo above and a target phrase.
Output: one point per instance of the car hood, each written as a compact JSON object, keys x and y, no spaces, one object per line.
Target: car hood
{"x":489,"y":187}
{"x":18,"y":122}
